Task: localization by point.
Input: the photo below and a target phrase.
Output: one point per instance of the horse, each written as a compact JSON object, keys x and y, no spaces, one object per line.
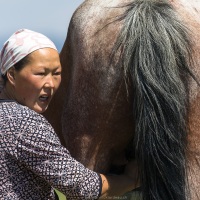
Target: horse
{"x":130,"y":90}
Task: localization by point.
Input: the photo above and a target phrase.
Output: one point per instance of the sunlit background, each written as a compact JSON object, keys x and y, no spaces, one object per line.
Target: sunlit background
{"x":49,"y":17}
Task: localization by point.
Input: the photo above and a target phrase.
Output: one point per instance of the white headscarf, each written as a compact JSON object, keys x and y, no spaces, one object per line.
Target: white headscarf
{"x":19,"y":45}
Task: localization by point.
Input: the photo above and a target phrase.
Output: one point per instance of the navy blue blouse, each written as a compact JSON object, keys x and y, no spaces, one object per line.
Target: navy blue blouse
{"x":33,"y":162}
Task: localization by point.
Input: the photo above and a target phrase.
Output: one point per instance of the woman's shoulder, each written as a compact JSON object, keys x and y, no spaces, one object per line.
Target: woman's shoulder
{"x":9,"y":107}
{"x":14,"y":111}
{"x":18,"y":118}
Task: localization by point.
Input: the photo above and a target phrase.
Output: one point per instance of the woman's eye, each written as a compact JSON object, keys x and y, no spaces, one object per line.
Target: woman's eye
{"x":57,"y":73}
{"x":40,"y":73}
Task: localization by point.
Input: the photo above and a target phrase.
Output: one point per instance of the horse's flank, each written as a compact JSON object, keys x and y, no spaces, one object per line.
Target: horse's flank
{"x":97,"y":120}
{"x":189,"y":11}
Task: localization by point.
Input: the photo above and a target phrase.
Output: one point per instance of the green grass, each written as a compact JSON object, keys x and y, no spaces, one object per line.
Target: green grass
{"x":61,"y":196}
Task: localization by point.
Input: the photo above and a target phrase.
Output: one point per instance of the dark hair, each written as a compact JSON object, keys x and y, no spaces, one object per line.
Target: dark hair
{"x":156,"y":52}
{"x":18,"y":66}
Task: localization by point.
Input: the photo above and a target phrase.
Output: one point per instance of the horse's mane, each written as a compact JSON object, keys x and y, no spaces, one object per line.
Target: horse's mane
{"x":155,"y":52}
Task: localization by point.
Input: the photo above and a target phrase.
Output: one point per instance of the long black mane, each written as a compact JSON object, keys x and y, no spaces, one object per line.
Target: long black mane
{"x":155,"y":51}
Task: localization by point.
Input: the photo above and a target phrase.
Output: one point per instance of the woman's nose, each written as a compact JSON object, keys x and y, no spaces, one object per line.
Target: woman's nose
{"x":50,"y":82}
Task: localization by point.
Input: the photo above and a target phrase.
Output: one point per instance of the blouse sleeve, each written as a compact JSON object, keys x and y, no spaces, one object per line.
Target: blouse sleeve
{"x":39,"y":149}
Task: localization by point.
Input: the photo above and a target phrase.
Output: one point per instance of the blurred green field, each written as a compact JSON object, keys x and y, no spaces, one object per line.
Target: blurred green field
{"x":128,"y":196}
{"x":61,"y":196}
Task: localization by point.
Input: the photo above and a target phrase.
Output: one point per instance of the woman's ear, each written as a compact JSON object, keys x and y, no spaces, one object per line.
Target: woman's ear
{"x":11,"y":75}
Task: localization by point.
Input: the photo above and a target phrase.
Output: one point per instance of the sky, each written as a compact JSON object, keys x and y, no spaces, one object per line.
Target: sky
{"x":49,"y":17}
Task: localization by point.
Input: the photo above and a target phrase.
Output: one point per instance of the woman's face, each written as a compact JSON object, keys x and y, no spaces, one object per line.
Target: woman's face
{"x":36,"y":83}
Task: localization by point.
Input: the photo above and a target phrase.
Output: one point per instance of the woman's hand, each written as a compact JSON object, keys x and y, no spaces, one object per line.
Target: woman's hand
{"x":117,"y":185}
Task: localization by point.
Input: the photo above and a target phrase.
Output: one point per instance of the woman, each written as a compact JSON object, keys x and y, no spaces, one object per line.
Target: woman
{"x":32,"y":160}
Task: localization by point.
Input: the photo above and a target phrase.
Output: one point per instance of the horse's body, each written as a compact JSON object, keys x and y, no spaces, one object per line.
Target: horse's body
{"x":93,"y":112}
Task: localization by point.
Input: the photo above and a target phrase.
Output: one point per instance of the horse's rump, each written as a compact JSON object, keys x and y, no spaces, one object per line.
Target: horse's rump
{"x":143,"y":97}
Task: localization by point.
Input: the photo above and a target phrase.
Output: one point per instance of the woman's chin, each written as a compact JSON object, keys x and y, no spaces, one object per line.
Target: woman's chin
{"x":40,"y":109}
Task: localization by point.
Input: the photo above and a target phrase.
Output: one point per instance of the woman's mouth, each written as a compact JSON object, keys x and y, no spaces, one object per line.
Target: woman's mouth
{"x":44,"y":98}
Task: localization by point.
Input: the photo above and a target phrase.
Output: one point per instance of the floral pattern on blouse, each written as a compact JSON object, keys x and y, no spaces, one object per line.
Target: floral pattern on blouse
{"x":33,"y":162}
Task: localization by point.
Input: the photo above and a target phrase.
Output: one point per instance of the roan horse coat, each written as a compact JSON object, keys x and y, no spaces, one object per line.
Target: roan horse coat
{"x":130,"y":89}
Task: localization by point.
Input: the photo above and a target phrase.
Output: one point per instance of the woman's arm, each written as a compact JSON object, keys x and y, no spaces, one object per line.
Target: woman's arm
{"x":40,"y":151}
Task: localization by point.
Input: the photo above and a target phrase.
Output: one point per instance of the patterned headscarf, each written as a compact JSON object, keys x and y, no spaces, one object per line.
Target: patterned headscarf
{"x":19,"y":45}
